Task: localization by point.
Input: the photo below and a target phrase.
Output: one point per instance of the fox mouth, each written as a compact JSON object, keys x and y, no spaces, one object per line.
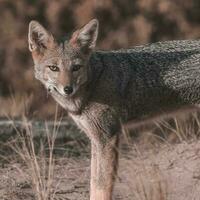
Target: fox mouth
{"x":51,"y":89}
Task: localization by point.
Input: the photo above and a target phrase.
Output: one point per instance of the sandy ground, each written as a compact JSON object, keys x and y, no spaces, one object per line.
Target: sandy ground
{"x":171,"y":172}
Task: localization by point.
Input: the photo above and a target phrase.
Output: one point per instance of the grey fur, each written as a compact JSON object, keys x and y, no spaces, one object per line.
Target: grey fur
{"x":151,"y":79}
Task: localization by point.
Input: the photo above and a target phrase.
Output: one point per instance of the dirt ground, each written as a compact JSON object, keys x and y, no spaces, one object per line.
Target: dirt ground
{"x":170,"y":172}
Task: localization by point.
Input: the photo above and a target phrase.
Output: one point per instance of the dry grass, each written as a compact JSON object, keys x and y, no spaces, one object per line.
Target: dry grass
{"x":182,"y":128}
{"x":39,"y":160}
{"x":15,"y":105}
{"x":143,"y":182}
{"x":142,"y":178}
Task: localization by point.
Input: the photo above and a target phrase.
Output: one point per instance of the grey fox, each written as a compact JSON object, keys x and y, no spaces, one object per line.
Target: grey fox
{"x":101,"y":90}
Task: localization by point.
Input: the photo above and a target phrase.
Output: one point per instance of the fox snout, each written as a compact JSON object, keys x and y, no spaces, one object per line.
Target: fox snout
{"x":68,"y":89}
{"x":65,"y":81}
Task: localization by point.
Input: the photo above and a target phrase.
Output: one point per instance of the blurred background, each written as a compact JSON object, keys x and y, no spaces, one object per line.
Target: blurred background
{"x":123,"y":23}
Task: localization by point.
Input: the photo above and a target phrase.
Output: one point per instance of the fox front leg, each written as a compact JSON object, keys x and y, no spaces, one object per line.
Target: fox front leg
{"x":104,"y":163}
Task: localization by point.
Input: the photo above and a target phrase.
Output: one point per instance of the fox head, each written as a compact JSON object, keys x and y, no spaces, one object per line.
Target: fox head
{"x":62,"y":66}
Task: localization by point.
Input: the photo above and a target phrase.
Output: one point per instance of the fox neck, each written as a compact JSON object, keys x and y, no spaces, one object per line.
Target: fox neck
{"x":73,"y":104}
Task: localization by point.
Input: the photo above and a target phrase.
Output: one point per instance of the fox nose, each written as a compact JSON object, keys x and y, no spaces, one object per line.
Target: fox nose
{"x":68,"y":89}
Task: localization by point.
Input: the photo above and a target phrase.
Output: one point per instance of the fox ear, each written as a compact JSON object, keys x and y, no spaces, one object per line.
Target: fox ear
{"x":86,"y":37}
{"x":38,"y":37}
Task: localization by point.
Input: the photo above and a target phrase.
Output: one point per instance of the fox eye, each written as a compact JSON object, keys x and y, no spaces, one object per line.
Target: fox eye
{"x":76,"y":67}
{"x":53,"y":68}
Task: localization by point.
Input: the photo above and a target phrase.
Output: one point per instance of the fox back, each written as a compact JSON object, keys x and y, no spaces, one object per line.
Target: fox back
{"x":150,"y":80}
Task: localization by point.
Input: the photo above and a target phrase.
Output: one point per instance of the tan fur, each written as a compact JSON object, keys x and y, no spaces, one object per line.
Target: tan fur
{"x":65,"y":78}
{"x":103,"y":171}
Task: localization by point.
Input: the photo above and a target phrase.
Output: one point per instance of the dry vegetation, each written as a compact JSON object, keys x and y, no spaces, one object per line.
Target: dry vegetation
{"x":40,"y":162}
{"x":161,"y":164}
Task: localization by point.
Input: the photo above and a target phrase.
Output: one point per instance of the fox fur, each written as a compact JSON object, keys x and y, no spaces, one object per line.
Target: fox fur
{"x":109,"y":88}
